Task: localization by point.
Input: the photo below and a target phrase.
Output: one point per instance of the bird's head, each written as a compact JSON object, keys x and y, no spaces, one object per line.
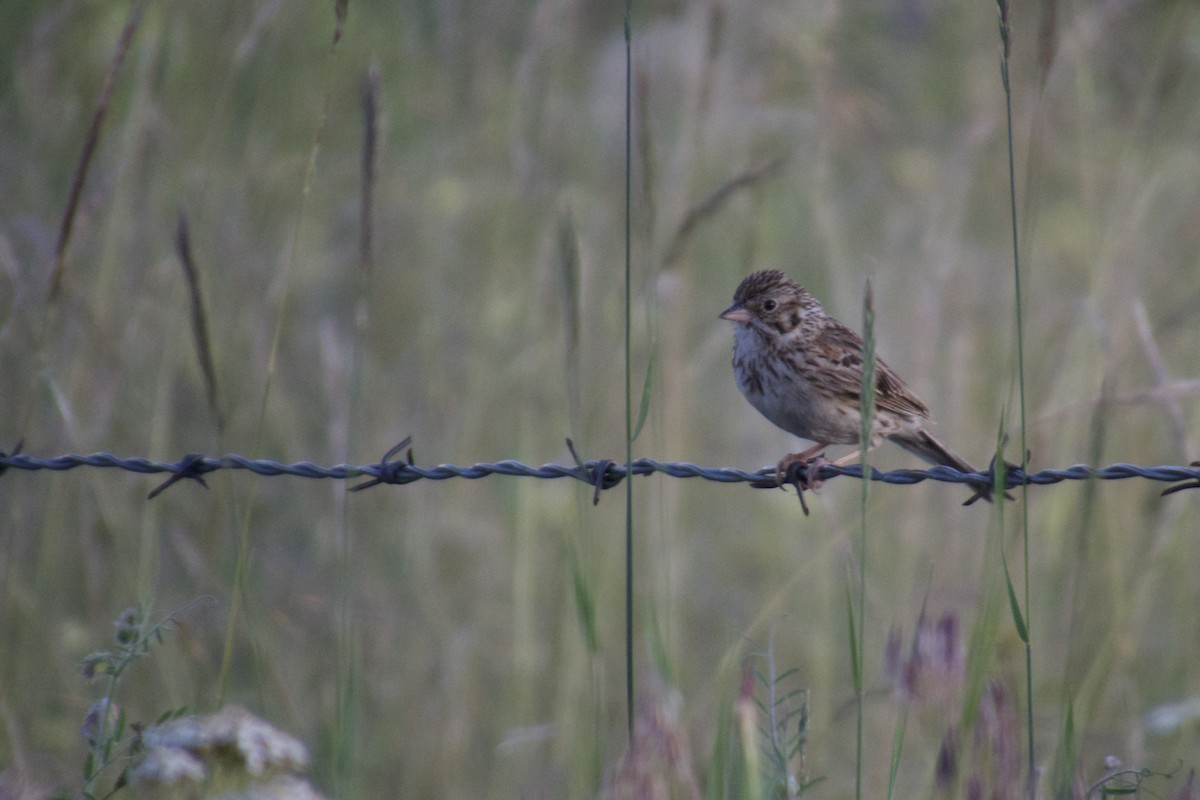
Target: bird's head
{"x":769,"y":301}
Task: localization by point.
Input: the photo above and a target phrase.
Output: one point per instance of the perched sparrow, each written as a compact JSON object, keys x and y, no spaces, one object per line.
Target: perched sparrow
{"x":802,"y":369}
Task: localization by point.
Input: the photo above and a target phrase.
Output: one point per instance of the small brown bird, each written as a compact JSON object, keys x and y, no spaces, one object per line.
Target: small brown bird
{"x":802,"y":370}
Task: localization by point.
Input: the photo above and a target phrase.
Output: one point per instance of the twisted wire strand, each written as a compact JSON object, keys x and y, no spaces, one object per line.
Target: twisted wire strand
{"x":603,"y":473}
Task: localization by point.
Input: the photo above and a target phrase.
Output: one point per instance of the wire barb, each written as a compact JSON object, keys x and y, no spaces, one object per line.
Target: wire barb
{"x":392,"y":471}
{"x":16,"y":451}
{"x":595,"y":473}
{"x":192,"y":466}
{"x":984,"y":491}
{"x":1192,"y":484}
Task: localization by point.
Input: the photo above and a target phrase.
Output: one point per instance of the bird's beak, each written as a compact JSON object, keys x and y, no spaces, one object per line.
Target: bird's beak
{"x":736,"y":313}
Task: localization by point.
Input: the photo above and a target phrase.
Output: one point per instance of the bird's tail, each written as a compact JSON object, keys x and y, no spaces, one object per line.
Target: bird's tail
{"x":926,"y":447}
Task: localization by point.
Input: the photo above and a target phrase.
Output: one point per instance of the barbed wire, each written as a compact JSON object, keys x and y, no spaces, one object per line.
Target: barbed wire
{"x":600,"y":473}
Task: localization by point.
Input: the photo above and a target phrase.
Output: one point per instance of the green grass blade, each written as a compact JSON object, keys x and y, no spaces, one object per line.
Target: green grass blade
{"x":855,"y":666}
{"x":1065,"y":760}
{"x":897,"y":749}
{"x":719,"y":768}
{"x":1013,"y":603}
{"x":647,"y":391}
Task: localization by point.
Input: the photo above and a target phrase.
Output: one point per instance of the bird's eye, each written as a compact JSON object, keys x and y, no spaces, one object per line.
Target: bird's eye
{"x":770,"y":305}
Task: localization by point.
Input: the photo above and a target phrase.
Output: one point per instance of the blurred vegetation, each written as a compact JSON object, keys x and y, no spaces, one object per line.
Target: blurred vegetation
{"x":464,"y":638}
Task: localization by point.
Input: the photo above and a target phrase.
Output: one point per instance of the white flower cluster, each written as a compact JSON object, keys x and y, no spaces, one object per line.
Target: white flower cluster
{"x":231,"y":741}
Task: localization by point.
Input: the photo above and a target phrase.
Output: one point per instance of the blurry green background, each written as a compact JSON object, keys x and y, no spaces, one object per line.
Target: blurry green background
{"x":474,"y":629}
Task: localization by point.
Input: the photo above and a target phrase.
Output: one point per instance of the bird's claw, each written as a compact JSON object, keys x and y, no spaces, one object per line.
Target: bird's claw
{"x":799,"y":470}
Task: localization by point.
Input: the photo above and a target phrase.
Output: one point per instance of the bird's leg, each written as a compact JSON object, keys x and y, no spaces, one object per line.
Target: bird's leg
{"x":854,"y":456}
{"x":849,"y":458}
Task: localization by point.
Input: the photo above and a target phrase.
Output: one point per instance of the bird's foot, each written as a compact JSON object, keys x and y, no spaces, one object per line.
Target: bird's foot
{"x":799,"y":470}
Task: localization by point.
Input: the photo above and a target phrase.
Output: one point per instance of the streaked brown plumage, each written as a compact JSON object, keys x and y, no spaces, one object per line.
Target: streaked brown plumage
{"x":802,"y":370}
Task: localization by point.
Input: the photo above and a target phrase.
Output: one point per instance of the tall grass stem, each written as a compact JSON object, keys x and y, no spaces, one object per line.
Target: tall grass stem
{"x":1006,"y":49}
{"x":867,"y":403}
{"x":629,"y":433}
{"x":310,"y":170}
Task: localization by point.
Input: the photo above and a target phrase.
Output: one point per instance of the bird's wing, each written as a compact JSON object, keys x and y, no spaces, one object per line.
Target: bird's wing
{"x":837,"y":354}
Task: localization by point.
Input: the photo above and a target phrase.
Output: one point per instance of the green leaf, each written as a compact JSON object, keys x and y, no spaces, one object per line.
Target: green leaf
{"x":647,"y":386}
{"x":174,"y":713}
{"x":897,"y":749}
{"x":720,"y":763}
{"x":854,"y":665}
{"x":999,"y":475}
{"x":1013,"y":603}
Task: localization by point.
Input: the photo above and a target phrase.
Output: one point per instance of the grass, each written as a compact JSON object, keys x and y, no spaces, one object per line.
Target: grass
{"x":467,"y":637}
